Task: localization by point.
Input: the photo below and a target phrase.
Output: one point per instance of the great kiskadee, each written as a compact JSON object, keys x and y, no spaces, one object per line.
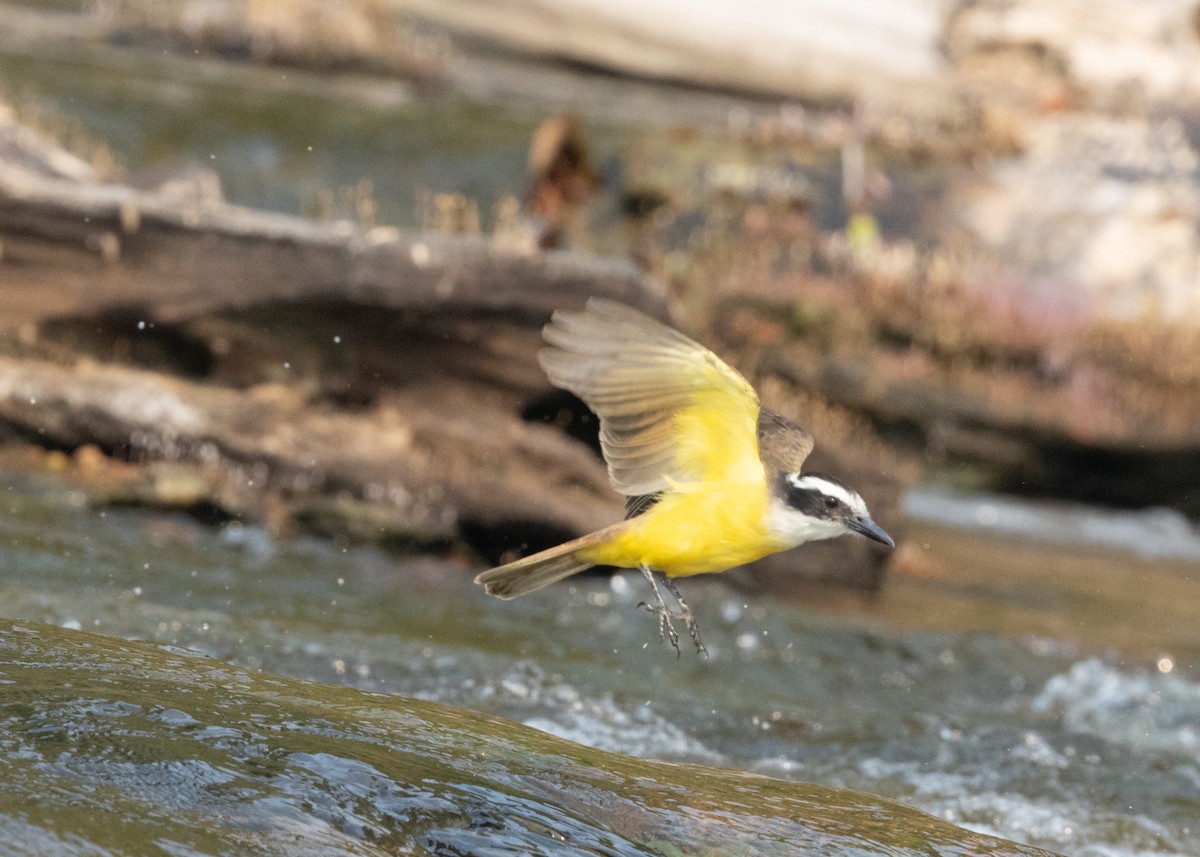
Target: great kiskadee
{"x":711,"y":479}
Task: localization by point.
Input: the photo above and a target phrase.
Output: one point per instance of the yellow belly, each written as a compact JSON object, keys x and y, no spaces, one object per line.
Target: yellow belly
{"x":703,"y":528}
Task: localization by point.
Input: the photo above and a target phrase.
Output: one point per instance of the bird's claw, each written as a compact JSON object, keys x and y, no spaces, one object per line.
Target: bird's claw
{"x":689,"y":620}
{"x":692,"y":629}
{"x":666,"y":627}
{"x":666,"y":617}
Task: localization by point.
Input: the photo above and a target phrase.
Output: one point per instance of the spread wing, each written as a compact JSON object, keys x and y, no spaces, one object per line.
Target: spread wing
{"x":670,"y":410}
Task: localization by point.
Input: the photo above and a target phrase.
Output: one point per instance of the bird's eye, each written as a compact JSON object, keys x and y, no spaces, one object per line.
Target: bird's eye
{"x":831,"y":502}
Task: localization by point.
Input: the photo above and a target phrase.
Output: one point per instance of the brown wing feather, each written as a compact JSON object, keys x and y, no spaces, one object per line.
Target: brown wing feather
{"x":782,"y":444}
{"x":669,"y":408}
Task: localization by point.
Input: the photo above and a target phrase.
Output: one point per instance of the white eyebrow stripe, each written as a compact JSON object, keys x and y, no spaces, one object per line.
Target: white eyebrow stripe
{"x":816,"y":483}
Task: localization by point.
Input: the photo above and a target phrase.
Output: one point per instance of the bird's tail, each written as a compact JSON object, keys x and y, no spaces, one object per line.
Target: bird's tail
{"x":549,"y":566}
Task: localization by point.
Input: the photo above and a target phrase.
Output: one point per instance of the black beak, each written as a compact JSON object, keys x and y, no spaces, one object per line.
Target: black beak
{"x":870,"y":529}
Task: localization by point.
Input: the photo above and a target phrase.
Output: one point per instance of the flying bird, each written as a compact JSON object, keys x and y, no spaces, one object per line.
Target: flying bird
{"x":711,"y":479}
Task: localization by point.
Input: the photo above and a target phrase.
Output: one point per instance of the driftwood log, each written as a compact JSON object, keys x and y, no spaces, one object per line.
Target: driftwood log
{"x":178,"y":252}
{"x":407,"y":414}
{"x":419,"y":467}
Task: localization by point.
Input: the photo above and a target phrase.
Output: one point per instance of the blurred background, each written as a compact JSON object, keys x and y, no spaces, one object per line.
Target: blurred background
{"x":272,"y":277}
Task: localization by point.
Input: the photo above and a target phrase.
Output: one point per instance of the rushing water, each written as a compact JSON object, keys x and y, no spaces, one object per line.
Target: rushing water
{"x":1064,"y":742}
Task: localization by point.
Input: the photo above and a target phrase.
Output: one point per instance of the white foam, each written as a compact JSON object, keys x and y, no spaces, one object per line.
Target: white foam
{"x":604,"y":725}
{"x":1140,"y":710}
{"x":979,"y":802}
{"x":546,"y":702}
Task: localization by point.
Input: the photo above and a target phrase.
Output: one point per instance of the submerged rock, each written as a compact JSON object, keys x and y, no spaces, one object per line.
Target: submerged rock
{"x":128,"y":748}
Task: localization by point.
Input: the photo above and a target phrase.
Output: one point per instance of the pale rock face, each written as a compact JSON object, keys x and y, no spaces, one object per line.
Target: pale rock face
{"x":852,"y":47}
{"x":1111,"y":48}
{"x":1105,"y":207}
{"x":1101,"y":203}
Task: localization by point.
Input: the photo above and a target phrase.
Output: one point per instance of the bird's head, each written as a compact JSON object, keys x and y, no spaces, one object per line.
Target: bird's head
{"x":809,"y":506}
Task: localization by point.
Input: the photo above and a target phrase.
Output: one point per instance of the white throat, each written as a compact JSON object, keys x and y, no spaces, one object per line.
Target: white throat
{"x":793,"y":528}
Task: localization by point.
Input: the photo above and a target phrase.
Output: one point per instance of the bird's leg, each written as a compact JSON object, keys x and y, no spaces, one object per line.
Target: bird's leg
{"x":666,"y":628}
{"x":686,"y":615}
